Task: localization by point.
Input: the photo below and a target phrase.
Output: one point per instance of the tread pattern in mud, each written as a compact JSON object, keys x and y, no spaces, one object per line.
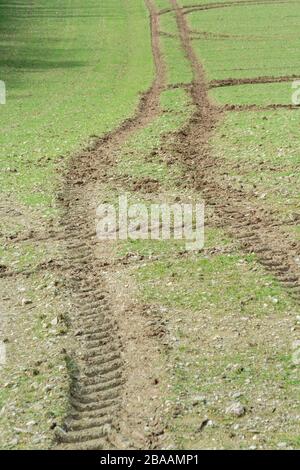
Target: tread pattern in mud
{"x":97,"y":368}
{"x":96,"y":391}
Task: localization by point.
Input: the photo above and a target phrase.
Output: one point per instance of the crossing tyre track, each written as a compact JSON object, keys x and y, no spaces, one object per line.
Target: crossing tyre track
{"x":257,"y":229}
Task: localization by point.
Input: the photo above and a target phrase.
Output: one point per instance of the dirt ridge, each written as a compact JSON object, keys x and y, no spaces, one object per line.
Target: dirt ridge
{"x":252,"y":81}
{"x":198,"y":34}
{"x":210,"y":6}
{"x":260,"y":108}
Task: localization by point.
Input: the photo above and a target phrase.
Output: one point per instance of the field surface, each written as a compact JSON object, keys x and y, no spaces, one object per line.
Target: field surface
{"x":143,"y":344}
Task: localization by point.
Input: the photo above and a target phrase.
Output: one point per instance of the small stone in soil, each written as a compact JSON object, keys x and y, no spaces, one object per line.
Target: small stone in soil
{"x":236,"y":409}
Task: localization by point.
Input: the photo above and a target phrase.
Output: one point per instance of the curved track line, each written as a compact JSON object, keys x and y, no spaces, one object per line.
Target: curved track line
{"x":252,"y":81}
{"x":256,"y":228}
{"x":96,"y":390}
{"x":255,"y":107}
{"x":208,"y":35}
{"x":210,"y":6}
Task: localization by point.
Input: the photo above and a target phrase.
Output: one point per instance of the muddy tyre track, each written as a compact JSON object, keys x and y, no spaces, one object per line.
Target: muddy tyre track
{"x":252,"y":81}
{"x":215,"y":5}
{"x":97,"y":368}
{"x":257,"y":229}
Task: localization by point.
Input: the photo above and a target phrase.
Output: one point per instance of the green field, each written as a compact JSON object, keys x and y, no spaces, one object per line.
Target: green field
{"x":215,"y":327}
{"x":72,"y":72}
{"x":264,"y":43}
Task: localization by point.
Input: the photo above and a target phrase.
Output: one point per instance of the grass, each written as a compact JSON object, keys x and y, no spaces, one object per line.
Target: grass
{"x":204,"y":388}
{"x":34,"y":392}
{"x":229,"y":324}
{"x":261,"y":152}
{"x":178,"y":67}
{"x":162,"y":250}
{"x":133,"y":162}
{"x":142,"y":158}
{"x":187,"y":3}
{"x":26,"y":257}
{"x":72,"y":71}
{"x":228,"y":282}
{"x":223,"y":312}
{"x":160,"y":4}
{"x":268,"y":44}
{"x":259,"y":94}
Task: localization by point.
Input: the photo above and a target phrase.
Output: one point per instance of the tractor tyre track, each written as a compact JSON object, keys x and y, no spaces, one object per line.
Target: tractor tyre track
{"x":252,"y":81}
{"x":211,"y":6}
{"x":208,"y":35}
{"x":259,"y":108}
{"x":256,"y":228}
{"x":96,"y":369}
